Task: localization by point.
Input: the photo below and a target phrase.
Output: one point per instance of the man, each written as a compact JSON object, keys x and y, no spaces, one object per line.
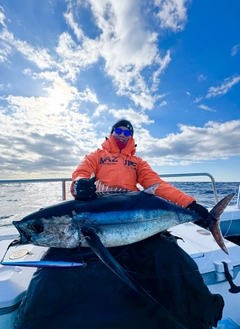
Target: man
{"x":116,"y":165}
{"x":158,"y":264}
{"x":94,"y":297}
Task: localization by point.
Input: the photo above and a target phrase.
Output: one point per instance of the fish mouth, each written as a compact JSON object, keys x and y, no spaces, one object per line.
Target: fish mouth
{"x":24,"y":236}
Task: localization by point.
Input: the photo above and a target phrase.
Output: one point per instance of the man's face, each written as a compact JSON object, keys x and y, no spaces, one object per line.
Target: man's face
{"x":120,"y":133}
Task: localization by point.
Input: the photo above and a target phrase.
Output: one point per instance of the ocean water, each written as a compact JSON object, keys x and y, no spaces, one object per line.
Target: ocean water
{"x":20,"y":200}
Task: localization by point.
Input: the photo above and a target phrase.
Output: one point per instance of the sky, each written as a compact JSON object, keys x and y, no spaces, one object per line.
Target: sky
{"x":69,"y":69}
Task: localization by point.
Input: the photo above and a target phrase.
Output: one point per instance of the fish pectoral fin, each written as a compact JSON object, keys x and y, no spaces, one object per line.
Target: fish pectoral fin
{"x":151,"y":189}
{"x":106,"y":257}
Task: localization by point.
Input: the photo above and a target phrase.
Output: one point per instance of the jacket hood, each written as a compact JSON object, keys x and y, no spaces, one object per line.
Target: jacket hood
{"x":110,"y":145}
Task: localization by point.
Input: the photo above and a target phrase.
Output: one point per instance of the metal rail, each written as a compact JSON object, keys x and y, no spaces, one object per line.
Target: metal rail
{"x":238,"y":198}
{"x":64,"y":180}
{"x":40,"y":180}
{"x":197,"y":174}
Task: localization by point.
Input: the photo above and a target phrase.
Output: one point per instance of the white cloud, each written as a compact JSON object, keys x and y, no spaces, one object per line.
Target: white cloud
{"x":163,"y":103}
{"x":44,"y":133}
{"x":124,"y":43}
{"x":206,"y":108}
{"x":76,"y":29}
{"x":99,"y":110}
{"x":192,"y":144}
{"x":2,"y":17}
{"x":198,"y":99}
{"x":61,"y":112}
{"x":137,"y":118}
{"x":74,"y":57}
{"x":172,"y":13}
{"x":5,"y":51}
{"x":201,"y":77}
{"x":62,"y":93}
{"x":69,"y":57}
{"x":39,"y":56}
{"x":53,"y":125}
{"x":235,"y":50}
{"x":145,"y":100}
{"x":163,"y":64}
{"x":223,"y":89}
{"x":127,"y":48}
{"x":5,"y":48}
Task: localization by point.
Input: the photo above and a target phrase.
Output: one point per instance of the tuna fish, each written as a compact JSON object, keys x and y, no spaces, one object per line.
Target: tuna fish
{"x":116,"y":218}
{"x":109,"y":220}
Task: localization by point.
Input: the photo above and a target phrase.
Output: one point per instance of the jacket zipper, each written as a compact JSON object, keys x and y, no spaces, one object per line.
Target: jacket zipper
{"x":120,"y":169}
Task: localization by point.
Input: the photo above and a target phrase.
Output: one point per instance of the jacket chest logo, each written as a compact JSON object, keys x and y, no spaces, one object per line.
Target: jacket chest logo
{"x":114,"y":159}
{"x":108,"y":159}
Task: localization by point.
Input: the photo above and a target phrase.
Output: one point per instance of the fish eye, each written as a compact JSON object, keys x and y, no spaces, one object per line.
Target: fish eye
{"x":37,"y":226}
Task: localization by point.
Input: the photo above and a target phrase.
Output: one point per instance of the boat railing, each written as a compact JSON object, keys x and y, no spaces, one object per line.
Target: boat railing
{"x":40,"y":180}
{"x":64,"y":180}
{"x":238,"y":198}
{"x":196,"y":175}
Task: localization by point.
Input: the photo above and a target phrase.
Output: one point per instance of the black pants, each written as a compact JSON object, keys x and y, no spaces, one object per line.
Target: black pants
{"x":94,"y":297}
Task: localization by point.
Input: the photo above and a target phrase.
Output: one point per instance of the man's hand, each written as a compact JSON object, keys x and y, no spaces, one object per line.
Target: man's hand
{"x":207,"y":218}
{"x":84,"y":189}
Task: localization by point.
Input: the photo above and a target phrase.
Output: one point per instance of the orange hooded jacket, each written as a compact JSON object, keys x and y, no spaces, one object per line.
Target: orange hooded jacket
{"x":123,"y":169}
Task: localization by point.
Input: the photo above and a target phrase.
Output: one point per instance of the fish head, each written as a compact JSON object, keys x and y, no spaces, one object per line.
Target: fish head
{"x":56,"y":232}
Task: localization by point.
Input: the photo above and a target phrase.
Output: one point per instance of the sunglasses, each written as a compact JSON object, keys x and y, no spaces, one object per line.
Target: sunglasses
{"x":126,"y":133}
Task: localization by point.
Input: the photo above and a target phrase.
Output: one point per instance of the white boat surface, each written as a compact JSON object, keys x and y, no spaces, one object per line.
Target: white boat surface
{"x":196,"y":241}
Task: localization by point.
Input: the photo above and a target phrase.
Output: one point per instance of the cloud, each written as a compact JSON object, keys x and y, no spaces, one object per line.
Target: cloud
{"x":100,"y":109}
{"x":48,"y":131}
{"x":37,"y":137}
{"x":58,"y":112}
{"x":68,"y":57}
{"x":198,"y":99}
{"x":5,"y":51}
{"x":163,"y":103}
{"x":193,"y":144}
{"x":201,"y":77}
{"x":135,"y":117}
{"x":5,"y":48}
{"x":61,"y":95}
{"x":75,"y":57}
{"x":2,"y":17}
{"x":125,"y":44}
{"x":128,"y":47}
{"x":223,"y":89}
{"x":71,"y":22}
{"x":235,"y":50}
{"x":172,"y":14}
{"x":206,"y":108}
{"x":37,"y":55}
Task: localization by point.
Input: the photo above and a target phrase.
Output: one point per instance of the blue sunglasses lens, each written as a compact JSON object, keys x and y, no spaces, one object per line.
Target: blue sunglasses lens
{"x":126,"y":133}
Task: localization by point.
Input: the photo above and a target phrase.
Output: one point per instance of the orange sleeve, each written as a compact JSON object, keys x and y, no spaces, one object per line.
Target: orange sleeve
{"x":148,"y":177}
{"x":86,"y":168}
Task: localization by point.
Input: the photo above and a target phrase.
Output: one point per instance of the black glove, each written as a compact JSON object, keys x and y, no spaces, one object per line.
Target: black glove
{"x":202,"y":212}
{"x":84,"y":189}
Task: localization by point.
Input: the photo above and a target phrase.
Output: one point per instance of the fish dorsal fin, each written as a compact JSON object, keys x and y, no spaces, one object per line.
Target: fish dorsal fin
{"x":151,"y":189}
{"x":103,"y":188}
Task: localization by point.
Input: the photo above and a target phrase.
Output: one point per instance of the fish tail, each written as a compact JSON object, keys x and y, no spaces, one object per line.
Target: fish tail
{"x":215,"y":225}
